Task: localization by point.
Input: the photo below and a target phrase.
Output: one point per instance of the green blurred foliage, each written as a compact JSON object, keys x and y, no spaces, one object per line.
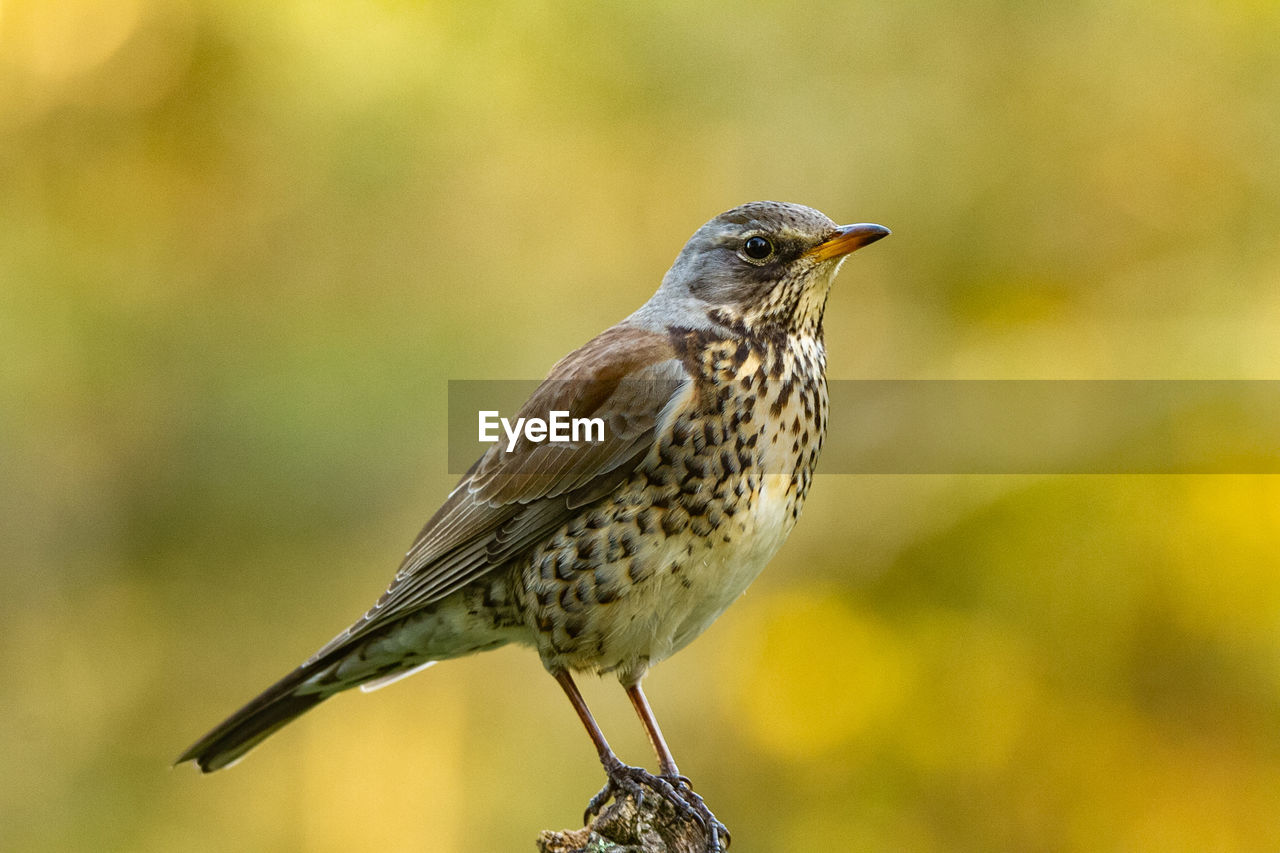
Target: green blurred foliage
{"x":243,"y":246}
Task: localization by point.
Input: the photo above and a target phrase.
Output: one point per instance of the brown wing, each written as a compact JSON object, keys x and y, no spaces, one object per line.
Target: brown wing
{"x":507,"y":502}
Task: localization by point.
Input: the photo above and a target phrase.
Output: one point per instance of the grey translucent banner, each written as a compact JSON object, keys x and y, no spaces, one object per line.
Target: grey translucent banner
{"x":992,"y":426}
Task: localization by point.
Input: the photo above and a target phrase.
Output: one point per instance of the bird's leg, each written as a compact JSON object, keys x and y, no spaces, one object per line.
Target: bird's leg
{"x":634,"y":780}
{"x":666,"y":763}
{"x":620,"y":775}
{"x":671,"y":773}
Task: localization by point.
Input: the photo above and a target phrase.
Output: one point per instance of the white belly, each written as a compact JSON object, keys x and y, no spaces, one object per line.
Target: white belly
{"x":693,"y":589}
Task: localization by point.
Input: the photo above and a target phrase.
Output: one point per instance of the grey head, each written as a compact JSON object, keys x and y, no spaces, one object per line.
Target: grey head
{"x":766,"y":266}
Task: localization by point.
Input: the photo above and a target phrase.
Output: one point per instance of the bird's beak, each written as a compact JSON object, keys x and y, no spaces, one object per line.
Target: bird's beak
{"x":848,"y":238}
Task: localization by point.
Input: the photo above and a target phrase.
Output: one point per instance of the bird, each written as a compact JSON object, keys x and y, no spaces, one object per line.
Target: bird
{"x":608,"y":556}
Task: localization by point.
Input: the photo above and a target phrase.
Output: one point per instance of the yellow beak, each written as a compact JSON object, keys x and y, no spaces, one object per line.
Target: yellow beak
{"x":848,"y":238}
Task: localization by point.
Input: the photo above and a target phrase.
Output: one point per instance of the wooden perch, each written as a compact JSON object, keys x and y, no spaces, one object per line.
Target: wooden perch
{"x":626,"y":826}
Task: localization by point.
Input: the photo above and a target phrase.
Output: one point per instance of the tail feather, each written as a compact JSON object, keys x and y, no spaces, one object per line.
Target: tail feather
{"x":278,"y":705}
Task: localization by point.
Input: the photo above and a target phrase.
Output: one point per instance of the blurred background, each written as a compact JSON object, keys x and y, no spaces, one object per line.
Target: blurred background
{"x":243,"y":247}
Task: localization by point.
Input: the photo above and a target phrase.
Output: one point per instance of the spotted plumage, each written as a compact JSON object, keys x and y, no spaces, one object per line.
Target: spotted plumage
{"x":697,"y":519}
{"x":609,"y":556}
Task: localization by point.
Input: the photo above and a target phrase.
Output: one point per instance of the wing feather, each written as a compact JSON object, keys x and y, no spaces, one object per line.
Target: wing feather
{"x":508,"y":502}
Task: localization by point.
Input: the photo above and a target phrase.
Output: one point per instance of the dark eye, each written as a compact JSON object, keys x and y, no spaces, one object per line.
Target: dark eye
{"x":757,"y":248}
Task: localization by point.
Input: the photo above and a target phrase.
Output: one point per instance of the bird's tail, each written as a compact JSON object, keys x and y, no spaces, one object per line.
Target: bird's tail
{"x":278,"y":705}
{"x":331,"y":671}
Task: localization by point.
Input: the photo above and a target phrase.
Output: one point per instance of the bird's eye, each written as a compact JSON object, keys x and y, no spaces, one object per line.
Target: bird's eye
{"x":757,"y":248}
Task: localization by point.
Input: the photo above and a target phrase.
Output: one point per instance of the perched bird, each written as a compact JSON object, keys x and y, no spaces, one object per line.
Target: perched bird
{"x":608,"y":556}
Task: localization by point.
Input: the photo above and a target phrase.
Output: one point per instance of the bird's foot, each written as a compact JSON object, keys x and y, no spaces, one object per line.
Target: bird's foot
{"x":676,"y":790}
{"x":715,"y":829}
{"x":622,"y":779}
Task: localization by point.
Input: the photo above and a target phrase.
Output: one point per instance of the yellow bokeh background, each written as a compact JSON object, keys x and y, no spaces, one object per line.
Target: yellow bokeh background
{"x":244,"y":246}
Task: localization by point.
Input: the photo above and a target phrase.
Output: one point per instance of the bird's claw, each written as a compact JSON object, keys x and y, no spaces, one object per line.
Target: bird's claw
{"x":695,"y":804}
{"x":677,"y":790}
{"x":621,"y":780}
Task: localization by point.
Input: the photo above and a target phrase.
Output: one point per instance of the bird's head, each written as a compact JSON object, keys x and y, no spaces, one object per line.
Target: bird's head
{"x":767,"y":265}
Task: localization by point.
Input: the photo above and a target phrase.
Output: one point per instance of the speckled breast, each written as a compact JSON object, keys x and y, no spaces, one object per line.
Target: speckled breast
{"x":639,"y":574}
